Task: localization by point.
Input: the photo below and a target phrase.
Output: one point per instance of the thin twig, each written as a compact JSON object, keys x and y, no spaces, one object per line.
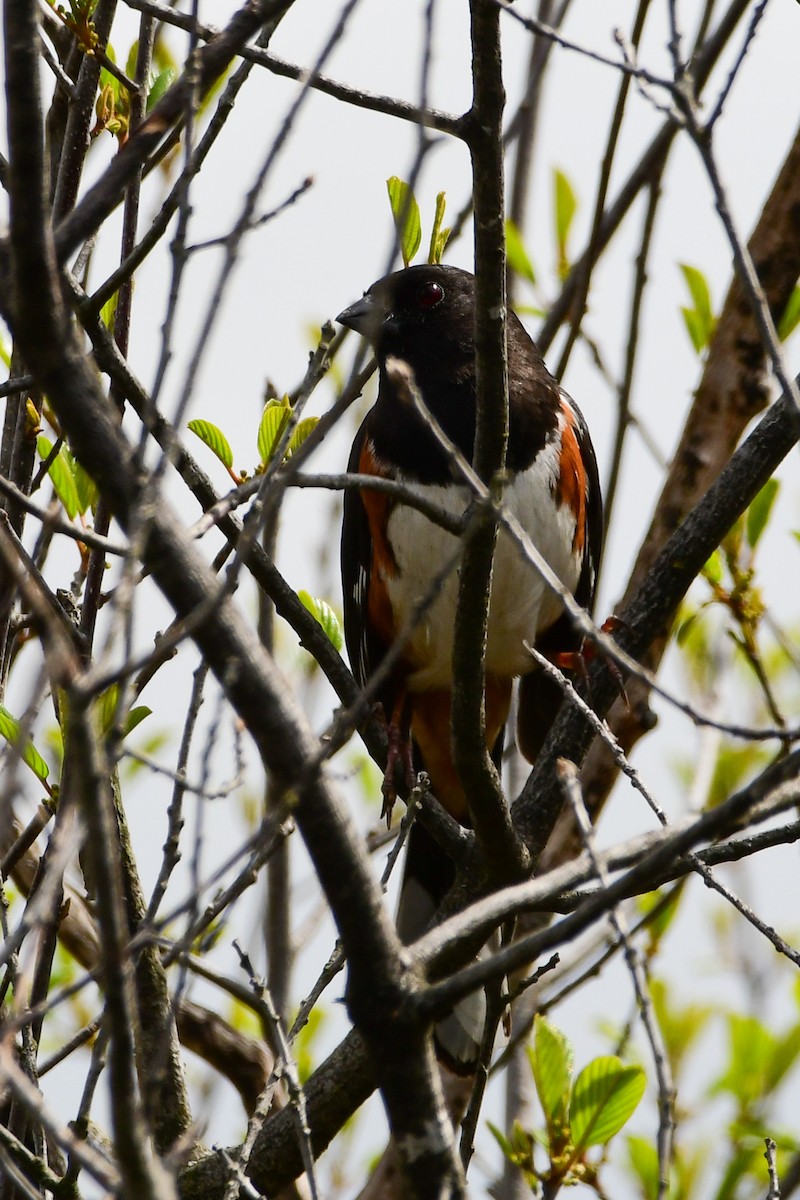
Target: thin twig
{"x":770,"y":1154}
{"x":666,"y":1088}
{"x":285,"y":1067}
{"x":387,"y":105}
{"x":171,"y":847}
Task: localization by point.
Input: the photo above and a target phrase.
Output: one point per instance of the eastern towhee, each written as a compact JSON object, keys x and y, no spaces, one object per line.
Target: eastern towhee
{"x":424,"y":316}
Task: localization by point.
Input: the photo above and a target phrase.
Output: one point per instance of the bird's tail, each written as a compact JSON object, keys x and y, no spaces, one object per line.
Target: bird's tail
{"x":427,"y":878}
{"x":429,"y":872}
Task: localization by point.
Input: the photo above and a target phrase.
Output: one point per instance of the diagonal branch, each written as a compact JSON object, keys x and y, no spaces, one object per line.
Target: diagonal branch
{"x":732,"y":390}
{"x":483,"y":131}
{"x":142,"y":1174}
{"x":647,"y":616}
{"x":381,"y":984}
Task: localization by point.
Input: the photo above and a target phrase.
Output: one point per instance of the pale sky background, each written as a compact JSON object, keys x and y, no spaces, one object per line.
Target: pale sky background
{"x":310,"y":263}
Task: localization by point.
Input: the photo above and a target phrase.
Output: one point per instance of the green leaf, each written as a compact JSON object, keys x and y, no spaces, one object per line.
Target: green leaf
{"x":302,"y":430}
{"x":215,"y":439}
{"x":84,"y":486}
{"x":306,"y":1043}
{"x":60,"y":472}
{"x":786,"y":1052}
{"x":439,"y":236}
{"x":321,"y":611}
{"x":161,"y":85}
{"x":712,"y":571}
{"x":405,"y":211}
{"x":551,"y":1060}
{"x":758,"y":1059}
{"x":698,"y":290}
{"x":163,"y":56}
{"x":109,"y":311}
{"x":664,"y":904}
{"x":695,"y":329}
{"x":107,"y":708}
{"x":518,"y":1149}
{"x":516,"y":253}
{"x":209,"y":936}
{"x":680,"y":1025}
{"x":11,"y":731}
{"x":273,"y":420}
{"x":502,"y":1141}
{"x":699,"y":320}
{"x":243,"y":1019}
{"x":685,"y":626}
{"x":751,"y":1047}
{"x":740,"y":1163}
{"x":791,"y":316}
{"x":733,"y":766}
{"x":758,"y":513}
{"x":107,"y":712}
{"x":130,"y":63}
{"x":643,"y":1158}
{"x":604,"y":1096}
{"x":565,"y":206}
{"x":135,"y":717}
{"x":209,"y":97}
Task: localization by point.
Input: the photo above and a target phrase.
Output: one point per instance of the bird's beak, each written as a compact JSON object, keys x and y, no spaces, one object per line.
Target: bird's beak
{"x":364,"y":316}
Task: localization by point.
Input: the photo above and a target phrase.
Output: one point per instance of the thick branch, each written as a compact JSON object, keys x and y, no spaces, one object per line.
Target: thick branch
{"x":142,"y":1174}
{"x":483,"y":128}
{"x":336,"y":1089}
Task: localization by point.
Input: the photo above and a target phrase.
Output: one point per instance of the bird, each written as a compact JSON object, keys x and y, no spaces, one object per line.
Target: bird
{"x":422,"y":319}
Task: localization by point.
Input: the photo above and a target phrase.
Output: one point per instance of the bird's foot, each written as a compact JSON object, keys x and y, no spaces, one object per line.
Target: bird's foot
{"x":399,"y":754}
{"x":577,"y":661}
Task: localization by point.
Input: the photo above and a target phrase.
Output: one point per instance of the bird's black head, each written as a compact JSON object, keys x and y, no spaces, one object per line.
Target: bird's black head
{"x":425,"y":317}
{"x":421,"y":310}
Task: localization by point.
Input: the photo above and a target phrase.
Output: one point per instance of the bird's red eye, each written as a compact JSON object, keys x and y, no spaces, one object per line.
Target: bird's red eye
{"x":430,"y":294}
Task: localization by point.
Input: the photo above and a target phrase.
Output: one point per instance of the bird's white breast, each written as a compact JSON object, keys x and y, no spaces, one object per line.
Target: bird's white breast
{"x":521,"y":604}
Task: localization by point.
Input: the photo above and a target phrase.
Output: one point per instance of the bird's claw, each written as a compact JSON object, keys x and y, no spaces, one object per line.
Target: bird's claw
{"x":399,"y":752}
{"x":577,"y":661}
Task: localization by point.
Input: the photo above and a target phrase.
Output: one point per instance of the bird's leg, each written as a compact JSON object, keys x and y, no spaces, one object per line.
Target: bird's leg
{"x":577,"y":661}
{"x":400,"y":751}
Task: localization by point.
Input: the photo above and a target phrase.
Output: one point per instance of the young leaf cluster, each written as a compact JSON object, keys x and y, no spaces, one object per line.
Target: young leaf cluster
{"x":113,"y":104}
{"x":408,"y":222}
{"x":579,"y":1113}
{"x":78,"y":20}
{"x":273,"y":422}
{"x":271,"y":427}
